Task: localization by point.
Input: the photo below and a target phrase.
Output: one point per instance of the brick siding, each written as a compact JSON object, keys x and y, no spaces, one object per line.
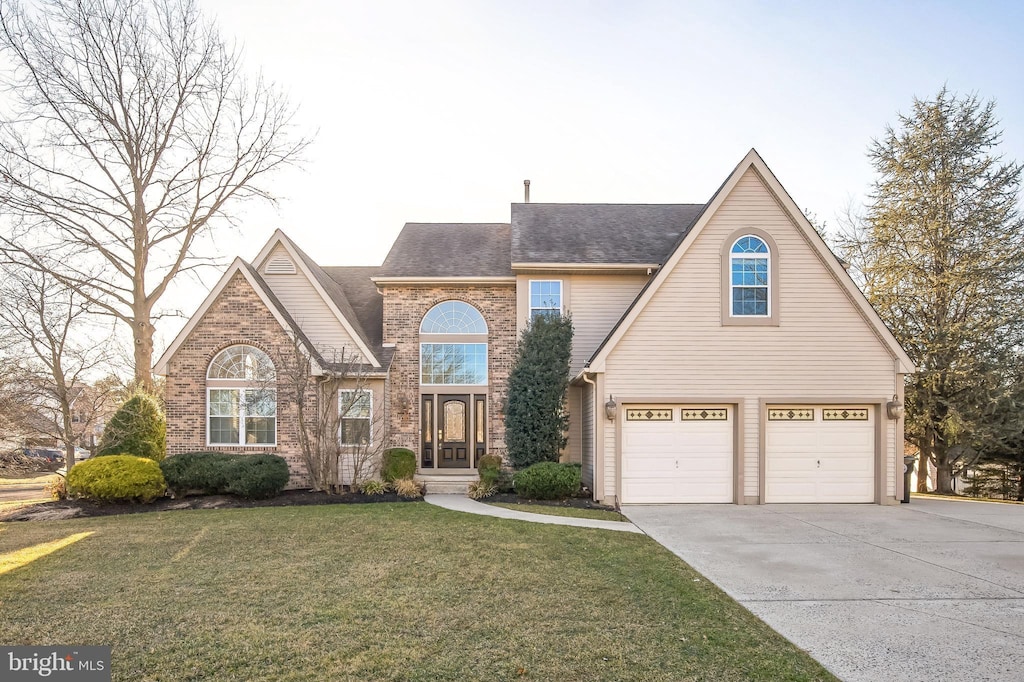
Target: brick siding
{"x":238,"y":316}
{"x":404,"y":308}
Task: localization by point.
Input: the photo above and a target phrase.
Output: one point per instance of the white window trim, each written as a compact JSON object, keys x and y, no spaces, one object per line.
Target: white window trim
{"x":461,"y":342}
{"x":241,"y":415}
{"x":561,"y":296}
{"x":768,"y":274}
{"x":369,"y":417}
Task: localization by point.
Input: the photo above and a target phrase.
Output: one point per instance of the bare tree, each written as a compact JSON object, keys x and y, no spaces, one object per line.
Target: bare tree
{"x":58,"y":358}
{"x":339,"y":434}
{"x":133,"y":131}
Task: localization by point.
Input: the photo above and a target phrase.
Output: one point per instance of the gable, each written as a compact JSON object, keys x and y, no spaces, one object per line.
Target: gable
{"x":752,"y":198}
{"x":239,"y":298}
{"x":305,"y":305}
{"x":314,"y":300}
{"x":822,"y":338}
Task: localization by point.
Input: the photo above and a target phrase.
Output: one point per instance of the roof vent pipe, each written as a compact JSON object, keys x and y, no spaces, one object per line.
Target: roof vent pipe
{"x":526,"y":191}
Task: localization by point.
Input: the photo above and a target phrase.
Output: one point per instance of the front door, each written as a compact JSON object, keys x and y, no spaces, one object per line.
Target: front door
{"x":453,"y":443}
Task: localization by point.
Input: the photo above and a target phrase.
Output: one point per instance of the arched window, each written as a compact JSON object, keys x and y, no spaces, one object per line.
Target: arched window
{"x":453,"y":317}
{"x":453,"y":345}
{"x":241,"y":398}
{"x":749,"y":277}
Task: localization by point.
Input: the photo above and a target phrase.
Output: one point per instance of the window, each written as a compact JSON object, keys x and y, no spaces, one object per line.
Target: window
{"x":355,"y":408}
{"x":453,"y":317}
{"x":453,"y":345}
{"x":241,"y":401}
{"x":749,"y":265}
{"x":545,"y":297}
{"x":453,"y":363}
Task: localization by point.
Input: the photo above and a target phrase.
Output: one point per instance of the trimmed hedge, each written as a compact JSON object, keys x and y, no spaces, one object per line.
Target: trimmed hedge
{"x":117,"y":478}
{"x":548,"y":481}
{"x":489,"y":467}
{"x":137,"y":428}
{"x":213,"y":473}
{"x":398,"y":464}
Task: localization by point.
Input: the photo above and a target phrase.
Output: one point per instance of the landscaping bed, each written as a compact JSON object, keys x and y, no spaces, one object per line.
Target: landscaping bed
{"x":574,"y":502}
{"x":69,"y":509}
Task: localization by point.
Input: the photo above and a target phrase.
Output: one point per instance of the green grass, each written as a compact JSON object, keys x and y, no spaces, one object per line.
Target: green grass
{"x":376,"y":592}
{"x":551,"y":510}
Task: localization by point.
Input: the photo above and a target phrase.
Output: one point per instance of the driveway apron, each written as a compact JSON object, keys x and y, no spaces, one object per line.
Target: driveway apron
{"x":933,"y":590}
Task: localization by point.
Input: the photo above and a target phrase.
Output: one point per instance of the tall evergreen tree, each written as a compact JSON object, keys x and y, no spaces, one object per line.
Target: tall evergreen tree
{"x":941,"y":257}
{"x":536,"y":420}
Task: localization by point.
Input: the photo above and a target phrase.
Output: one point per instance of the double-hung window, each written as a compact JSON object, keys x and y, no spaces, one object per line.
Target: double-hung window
{"x":355,"y":409}
{"x":545,"y":297}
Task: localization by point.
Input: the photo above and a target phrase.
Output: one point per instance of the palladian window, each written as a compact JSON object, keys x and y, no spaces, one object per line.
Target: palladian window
{"x":453,"y":345}
{"x":241,"y":398}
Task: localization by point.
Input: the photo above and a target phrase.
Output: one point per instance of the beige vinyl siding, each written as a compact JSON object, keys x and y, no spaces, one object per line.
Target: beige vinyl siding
{"x":572,"y":451}
{"x":678,"y":347}
{"x":377,"y":423}
{"x":308,"y":309}
{"x":587,"y":445}
{"x":597,"y":302}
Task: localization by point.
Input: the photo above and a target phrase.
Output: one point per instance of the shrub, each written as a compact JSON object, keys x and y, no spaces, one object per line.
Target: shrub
{"x":117,"y":478}
{"x":57,"y":488}
{"x":374,"y":487}
{"x":490,"y":468}
{"x":137,"y":428}
{"x":256,"y":476}
{"x":408,"y":488}
{"x":548,"y":481}
{"x":399,"y":463}
{"x":211,"y":473}
{"x":505,"y":482}
{"x":481,"y":489}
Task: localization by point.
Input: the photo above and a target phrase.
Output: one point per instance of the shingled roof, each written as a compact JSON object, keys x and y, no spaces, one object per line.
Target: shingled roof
{"x":366,"y":302}
{"x":450,"y":250}
{"x":631,"y":234}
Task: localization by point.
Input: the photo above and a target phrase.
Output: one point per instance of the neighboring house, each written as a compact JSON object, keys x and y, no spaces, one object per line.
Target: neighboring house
{"x":721,"y":352}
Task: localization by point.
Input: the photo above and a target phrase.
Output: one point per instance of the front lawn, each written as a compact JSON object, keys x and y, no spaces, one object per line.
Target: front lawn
{"x":375,"y":592}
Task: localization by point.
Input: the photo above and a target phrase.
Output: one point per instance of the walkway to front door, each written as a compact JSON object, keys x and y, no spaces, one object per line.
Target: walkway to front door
{"x":454,"y":430}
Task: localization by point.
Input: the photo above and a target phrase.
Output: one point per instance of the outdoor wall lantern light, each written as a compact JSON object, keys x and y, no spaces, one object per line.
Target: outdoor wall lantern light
{"x":894,"y":408}
{"x":610,"y":408}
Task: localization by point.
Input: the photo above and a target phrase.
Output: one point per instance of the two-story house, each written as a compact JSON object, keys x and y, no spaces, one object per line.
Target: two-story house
{"x":721,"y":352}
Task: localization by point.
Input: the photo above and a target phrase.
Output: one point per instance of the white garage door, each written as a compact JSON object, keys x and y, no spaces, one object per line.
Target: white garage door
{"x":820,"y":453}
{"x":677,"y":453}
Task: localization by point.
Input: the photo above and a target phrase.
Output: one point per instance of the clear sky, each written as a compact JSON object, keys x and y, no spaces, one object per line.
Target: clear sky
{"x":437,"y":111}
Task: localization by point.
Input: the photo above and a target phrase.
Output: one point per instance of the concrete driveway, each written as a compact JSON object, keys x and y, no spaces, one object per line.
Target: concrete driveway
{"x":933,"y":590}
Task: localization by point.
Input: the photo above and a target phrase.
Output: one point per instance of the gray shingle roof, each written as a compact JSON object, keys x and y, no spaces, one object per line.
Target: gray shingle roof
{"x":598,"y":233}
{"x":450,"y":250}
{"x":366,"y":303}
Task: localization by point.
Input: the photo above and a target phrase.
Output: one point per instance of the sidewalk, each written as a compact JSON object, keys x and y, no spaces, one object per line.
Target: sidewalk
{"x":461,"y":503}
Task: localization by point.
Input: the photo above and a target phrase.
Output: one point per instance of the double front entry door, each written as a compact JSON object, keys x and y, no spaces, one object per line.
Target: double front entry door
{"x":453,"y":429}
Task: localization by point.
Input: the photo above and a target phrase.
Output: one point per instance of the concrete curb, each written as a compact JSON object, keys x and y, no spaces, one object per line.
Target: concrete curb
{"x":461,"y":503}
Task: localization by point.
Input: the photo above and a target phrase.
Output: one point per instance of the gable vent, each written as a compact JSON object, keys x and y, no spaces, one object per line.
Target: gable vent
{"x":279,"y":265}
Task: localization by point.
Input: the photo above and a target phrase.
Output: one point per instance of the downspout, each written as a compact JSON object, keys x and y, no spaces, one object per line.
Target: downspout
{"x":593,"y":432}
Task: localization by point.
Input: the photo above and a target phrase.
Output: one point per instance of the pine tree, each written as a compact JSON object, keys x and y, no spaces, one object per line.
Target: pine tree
{"x":137,"y":428}
{"x":941,"y":257}
{"x":536,"y":420}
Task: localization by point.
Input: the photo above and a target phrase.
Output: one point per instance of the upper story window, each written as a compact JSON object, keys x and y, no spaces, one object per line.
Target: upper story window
{"x":545,"y":297}
{"x":241,"y":399}
{"x":749,"y":277}
{"x":453,"y":345}
{"x":453,"y":317}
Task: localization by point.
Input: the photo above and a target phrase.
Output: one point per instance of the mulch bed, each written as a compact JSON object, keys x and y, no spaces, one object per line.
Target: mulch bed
{"x":72,"y":509}
{"x":574,"y":502}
